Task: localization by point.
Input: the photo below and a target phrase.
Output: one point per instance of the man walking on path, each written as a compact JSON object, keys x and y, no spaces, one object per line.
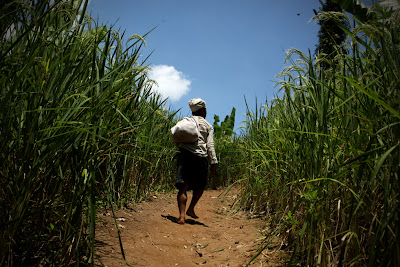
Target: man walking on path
{"x":193,"y":160}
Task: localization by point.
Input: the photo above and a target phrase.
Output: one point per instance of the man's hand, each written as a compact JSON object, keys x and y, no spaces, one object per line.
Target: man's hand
{"x":213,"y":170}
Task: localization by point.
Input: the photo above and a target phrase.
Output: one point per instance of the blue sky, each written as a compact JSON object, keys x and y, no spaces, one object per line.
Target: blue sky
{"x":218,"y":50}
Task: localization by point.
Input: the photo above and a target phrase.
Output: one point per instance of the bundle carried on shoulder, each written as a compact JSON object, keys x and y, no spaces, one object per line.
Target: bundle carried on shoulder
{"x":185,"y":130}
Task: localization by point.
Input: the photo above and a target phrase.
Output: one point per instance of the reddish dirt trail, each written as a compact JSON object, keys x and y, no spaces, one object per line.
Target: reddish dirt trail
{"x":151,"y":235}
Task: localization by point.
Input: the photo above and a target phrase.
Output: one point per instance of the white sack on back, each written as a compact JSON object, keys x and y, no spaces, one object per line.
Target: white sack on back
{"x":185,"y":131}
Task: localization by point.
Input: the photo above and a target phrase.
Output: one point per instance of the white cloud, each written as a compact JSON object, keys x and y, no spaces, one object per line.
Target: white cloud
{"x":171,"y":83}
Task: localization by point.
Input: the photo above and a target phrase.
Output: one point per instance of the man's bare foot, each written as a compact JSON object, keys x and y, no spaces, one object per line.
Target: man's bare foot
{"x":181,"y":220}
{"x":192,"y":214}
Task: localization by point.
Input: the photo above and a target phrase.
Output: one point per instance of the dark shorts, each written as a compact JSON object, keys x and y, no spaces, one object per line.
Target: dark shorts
{"x":192,"y":170}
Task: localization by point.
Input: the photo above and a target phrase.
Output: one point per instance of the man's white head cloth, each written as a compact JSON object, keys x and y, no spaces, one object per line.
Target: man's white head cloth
{"x":196,"y":103}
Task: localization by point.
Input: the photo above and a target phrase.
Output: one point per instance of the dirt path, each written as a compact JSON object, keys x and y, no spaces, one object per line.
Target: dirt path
{"x":151,"y":235}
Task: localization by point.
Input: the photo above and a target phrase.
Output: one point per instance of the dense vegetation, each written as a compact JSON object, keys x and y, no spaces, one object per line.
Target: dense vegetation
{"x":81,"y":129}
{"x":324,"y":157}
{"x":228,"y":153}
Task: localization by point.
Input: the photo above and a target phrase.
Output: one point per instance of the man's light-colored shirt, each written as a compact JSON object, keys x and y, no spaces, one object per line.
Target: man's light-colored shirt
{"x":205,"y":145}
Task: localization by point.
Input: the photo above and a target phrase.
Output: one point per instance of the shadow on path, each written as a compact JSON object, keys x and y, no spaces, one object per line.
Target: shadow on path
{"x":188,"y":221}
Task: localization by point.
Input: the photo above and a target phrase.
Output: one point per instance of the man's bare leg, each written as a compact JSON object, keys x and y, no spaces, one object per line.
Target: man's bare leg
{"x":196,"y":196}
{"x":182,"y":199}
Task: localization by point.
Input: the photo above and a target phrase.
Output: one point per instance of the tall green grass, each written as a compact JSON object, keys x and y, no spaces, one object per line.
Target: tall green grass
{"x":229,"y":169}
{"x":230,"y":163}
{"x":79,"y":126}
{"x":323,"y":158}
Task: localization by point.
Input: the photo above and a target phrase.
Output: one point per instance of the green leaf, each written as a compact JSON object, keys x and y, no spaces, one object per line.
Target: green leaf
{"x":381,"y":160}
